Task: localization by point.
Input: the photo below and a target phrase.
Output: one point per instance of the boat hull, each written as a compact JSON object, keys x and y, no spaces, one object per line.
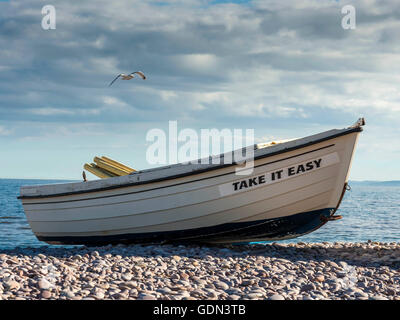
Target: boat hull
{"x":215,"y":205}
{"x":260,"y":230}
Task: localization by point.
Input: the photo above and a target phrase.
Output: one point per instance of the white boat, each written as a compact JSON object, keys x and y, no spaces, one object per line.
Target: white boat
{"x":202,"y":203}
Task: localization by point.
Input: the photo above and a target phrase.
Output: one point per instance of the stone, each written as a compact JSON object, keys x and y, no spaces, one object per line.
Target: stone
{"x":221,"y":285}
{"x":211,"y":294}
{"x":248,"y":282}
{"x":390,"y":291}
{"x":99,"y":294}
{"x":308,"y":287}
{"x":253,"y":296}
{"x":147,"y":297}
{"x":276,"y":297}
{"x":184,"y":276}
{"x":170,"y":272}
{"x":44,"y":284}
{"x":12,"y":285}
{"x":67,"y":293}
{"x":341,"y":274}
{"x":95,"y":253}
{"x":46,"y":294}
{"x":378,"y":297}
{"x":320,"y":278}
{"x":360,"y":294}
{"x":127,"y":276}
{"x":333,"y":264}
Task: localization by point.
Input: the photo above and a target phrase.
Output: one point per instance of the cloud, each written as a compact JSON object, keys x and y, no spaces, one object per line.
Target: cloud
{"x":50,"y":111}
{"x":197,"y":49}
{"x":4,"y":131}
{"x":277,"y":65}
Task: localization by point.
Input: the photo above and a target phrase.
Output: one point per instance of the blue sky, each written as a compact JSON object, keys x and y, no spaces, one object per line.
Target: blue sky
{"x":283,"y":68}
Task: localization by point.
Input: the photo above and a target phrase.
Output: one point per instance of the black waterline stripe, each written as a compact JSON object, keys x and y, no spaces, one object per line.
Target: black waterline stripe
{"x":144,"y":182}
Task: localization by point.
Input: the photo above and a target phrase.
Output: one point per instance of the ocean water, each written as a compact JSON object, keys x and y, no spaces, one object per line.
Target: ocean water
{"x":370,"y":211}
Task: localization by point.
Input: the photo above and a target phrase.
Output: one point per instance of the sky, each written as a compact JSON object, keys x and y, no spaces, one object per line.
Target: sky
{"x":286,"y":69}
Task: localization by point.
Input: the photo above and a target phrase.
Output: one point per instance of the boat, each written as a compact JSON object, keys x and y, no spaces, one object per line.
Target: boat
{"x":295,"y":188}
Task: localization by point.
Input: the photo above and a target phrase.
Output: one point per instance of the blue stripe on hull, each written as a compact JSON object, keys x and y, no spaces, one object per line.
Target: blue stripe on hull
{"x":268,"y":229}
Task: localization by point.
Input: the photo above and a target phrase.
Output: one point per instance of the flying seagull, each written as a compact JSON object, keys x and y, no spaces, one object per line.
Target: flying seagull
{"x":128,"y":76}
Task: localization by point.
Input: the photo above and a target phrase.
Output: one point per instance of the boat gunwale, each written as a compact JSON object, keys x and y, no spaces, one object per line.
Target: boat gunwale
{"x":191,"y":173}
{"x":173,"y":185}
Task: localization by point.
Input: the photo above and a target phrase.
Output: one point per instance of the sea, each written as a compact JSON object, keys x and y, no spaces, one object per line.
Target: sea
{"x":370,"y":210}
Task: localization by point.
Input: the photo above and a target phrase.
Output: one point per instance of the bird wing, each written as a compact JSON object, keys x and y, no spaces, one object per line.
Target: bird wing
{"x":140,"y":73}
{"x":114,"y":80}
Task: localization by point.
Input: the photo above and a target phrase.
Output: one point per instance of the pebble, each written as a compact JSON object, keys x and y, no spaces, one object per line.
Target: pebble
{"x":46,"y":294}
{"x":11,"y":285}
{"x":44,"y":284}
{"x":278,"y":271}
{"x":68,"y":293}
{"x":376,"y":297}
{"x":147,"y":297}
{"x":320,"y":278}
{"x":221,"y":285}
{"x":308,"y":287}
{"x":253,"y":296}
{"x":127,"y":276}
{"x":276,"y":297}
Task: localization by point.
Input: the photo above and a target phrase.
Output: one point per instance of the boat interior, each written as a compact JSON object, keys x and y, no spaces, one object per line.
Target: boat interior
{"x":104,"y":167}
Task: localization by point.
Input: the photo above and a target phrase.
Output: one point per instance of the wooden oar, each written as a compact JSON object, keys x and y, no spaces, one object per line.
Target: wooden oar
{"x":106,"y":166}
{"x":93,"y":168}
{"x":117,"y":164}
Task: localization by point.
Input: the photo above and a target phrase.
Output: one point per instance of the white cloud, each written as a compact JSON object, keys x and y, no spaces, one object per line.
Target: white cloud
{"x":168,"y":94}
{"x":4,"y":131}
{"x":267,"y":64}
{"x":113,"y":101}
{"x":50,"y":111}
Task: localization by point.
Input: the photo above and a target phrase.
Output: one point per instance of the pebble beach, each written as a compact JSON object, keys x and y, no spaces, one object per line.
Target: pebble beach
{"x":294,"y":271}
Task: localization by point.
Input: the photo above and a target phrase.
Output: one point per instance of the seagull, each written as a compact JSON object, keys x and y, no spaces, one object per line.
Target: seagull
{"x":128,"y":76}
